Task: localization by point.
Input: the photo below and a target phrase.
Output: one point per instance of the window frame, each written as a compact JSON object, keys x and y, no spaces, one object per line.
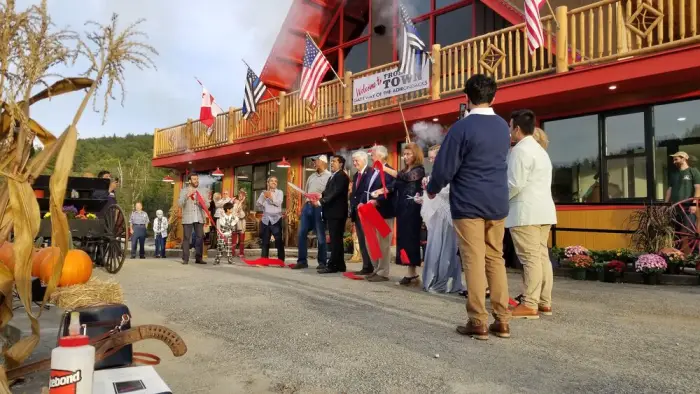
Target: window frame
{"x":650,"y":147}
{"x":339,"y":49}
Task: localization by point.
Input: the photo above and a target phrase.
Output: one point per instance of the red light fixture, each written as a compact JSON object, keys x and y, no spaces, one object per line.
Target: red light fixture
{"x":217,"y":173}
{"x":168,"y":179}
{"x":284,"y":163}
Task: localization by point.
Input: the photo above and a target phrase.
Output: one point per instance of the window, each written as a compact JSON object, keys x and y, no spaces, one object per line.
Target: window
{"x":356,"y":57}
{"x":625,"y":156}
{"x":573,"y":149}
{"x":416,"y":7}
{"x":244,"y":180}
{"x":423,"y":29}
{"x":444,"y":3}
{"x":254,"y":180}
{"x":454,"y":26}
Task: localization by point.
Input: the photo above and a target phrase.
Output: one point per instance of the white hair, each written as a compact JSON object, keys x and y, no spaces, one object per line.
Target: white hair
{"x":360,"y":155}
{"x":381,"y":149}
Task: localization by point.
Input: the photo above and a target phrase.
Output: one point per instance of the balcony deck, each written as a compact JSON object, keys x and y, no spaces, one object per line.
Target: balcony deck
{"x":599,"y":33}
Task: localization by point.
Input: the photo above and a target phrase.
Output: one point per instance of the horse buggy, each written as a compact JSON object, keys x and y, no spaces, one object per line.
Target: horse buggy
{"x":98,"y":225}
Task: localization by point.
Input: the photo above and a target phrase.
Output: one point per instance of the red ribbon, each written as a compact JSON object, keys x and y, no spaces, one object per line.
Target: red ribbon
{"x":372,"y":222}
{"x":203,"y":204}
{"x":379,"y":166}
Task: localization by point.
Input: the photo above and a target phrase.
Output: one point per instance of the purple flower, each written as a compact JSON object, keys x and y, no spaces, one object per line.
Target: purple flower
{"x":649,"y":263}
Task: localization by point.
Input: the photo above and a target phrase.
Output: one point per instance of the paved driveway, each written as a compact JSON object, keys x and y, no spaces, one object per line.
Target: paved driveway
{"x":260,"y":330}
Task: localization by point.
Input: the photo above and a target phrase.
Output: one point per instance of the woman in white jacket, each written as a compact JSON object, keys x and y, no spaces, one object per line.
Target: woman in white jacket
{"x":441,"y":262}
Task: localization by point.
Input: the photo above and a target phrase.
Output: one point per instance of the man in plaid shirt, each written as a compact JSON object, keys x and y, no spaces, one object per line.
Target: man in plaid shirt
{"x":193,"y":218}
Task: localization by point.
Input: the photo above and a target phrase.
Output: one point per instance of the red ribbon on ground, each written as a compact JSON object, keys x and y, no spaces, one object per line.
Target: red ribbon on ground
{"x":203,"y":205}
{"x":373,"y":222}
{"x":379,"y":166}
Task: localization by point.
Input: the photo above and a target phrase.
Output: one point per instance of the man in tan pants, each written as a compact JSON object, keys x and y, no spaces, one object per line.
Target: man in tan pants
{"x":385,"y":207}
{"x":531,"y":214}
{"x":472,"y":160}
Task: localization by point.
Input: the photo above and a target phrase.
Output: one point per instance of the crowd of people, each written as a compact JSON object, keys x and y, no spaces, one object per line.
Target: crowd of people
{"x":488,"y":175}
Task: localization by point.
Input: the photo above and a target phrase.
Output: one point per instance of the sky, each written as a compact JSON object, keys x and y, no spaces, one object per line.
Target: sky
{"x":205,"y":38}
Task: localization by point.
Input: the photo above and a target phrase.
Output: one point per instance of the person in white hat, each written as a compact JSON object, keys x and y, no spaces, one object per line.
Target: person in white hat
{"x":684,"y":183}
{"x":311,"y":218}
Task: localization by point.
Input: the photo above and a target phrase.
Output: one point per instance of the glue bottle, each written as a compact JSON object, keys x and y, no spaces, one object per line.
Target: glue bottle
{"x":72,"y":362}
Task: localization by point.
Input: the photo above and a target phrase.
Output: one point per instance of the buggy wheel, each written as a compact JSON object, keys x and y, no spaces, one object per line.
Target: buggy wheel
{"x":686,"y":237}
{"x":114,"y":248}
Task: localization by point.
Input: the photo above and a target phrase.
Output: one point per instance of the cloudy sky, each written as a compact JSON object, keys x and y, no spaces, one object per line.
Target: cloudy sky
{"x":205,"y":38}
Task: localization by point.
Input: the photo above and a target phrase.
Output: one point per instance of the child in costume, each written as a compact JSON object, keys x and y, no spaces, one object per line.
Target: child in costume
{"x":227,"y":225}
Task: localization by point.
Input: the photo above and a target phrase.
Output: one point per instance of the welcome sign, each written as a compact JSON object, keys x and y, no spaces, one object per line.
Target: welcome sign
{"x":386,"y":84}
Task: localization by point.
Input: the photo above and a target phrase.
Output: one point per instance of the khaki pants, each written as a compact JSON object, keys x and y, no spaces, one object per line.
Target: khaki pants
{"x":382,"y":266}
{"x":481,"y":249}
{"x":530,"y":244}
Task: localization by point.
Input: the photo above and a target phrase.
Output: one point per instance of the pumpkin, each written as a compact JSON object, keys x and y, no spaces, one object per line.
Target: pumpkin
{"x":7,"y":255}
{"x":77,"y":269}
{"x":51,"y":253}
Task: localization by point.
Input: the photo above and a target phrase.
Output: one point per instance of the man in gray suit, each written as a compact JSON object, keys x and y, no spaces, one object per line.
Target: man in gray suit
{"x":193,"y":218}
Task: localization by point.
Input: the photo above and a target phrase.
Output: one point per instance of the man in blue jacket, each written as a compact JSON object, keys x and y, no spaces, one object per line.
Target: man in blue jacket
{"x":473,"y":161}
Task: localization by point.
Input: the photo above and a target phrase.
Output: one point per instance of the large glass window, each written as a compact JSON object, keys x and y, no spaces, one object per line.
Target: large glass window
{"x":573,"y":149}
{"x":454,"y":26}
{"x":417,"y":7}
{"x":254,"y":180}
{"x":244,"y":180}
{"x":444,"y":3}
{"x":356,"y":57}
{"x":625,"y":156}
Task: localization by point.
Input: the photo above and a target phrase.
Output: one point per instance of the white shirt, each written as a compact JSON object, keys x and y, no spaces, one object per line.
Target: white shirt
{"x":160,"y":225}
{"x":530,"y":185}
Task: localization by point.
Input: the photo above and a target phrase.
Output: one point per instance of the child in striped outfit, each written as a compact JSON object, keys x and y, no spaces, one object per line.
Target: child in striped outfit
{"x":227,"y":225}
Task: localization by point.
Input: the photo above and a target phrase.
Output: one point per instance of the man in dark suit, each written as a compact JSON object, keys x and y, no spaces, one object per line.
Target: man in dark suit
{"x":385,"y":207}
{"x":334,"y":205}
{"x":358,"y":196}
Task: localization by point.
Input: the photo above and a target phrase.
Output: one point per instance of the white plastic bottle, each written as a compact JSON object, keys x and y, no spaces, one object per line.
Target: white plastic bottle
{"x":72,"y":362}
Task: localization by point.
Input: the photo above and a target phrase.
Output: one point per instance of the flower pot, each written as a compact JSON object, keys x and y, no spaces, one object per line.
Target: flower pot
{"x":652,"y":278}
{"x":591,"y":275}
{"x":601,"y":275}
{"x":612,"y":276}
{"x":674,"y":269}
{"x":578,"y":274}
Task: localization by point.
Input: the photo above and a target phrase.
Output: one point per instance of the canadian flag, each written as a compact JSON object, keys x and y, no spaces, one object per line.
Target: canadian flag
{"x":209,"y":110}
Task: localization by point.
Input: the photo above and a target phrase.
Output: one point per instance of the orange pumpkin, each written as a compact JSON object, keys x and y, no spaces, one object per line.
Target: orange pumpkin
{"x":77,"y":269}
{"x":51,"y":253}
{"x":7,"y":255}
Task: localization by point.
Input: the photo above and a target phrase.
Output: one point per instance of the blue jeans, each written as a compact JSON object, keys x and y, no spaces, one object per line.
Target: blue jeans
{"x":139,"y":236}
{"x":160,"y":245}
{"x":311,"y":220}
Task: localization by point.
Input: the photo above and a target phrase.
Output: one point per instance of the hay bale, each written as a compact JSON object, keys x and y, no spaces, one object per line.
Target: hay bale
{"x":95,"y":291}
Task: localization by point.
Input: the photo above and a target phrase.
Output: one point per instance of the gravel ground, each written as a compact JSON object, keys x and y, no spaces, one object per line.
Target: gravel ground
{"x":273,"y":330}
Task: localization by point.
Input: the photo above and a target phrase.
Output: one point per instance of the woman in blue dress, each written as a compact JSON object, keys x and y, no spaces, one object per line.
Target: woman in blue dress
{"x":408,"y":220}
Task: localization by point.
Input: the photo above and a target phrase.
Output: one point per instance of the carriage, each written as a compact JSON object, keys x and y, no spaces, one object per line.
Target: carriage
{"x":97,"y":224}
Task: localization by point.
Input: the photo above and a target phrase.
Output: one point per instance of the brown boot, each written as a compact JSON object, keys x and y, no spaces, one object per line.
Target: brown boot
{"x":476,"y":331}
{"x":545,"y":310}
{"x":523,"y":312}
{"x":500,"y":329}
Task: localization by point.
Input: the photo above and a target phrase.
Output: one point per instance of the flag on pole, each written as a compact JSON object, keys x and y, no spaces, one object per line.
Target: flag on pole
{"x":535,"y":37}
{"x":412,"y":47}
{"x":254,"y":90}
{"x":314,"y":69}
{"x":209,"y":110}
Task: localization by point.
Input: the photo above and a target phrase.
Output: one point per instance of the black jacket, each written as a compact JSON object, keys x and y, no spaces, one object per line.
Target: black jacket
{"x":385,"y":206}
{"x":359,"y":192}
{"x":334,"y":200}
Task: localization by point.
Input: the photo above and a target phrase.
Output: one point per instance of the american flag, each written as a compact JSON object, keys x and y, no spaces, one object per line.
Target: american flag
{"x":535,"y":37}
{"x":315,"y":68}
{"x":254,"y":90}
{"x":411,"y":45}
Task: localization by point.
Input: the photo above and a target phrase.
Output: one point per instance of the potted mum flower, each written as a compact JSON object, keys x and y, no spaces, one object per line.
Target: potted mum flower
{"x":576,"y":250}
{"x":613,"y":271}
{"x":580,"y":263}
{"x":651,"y":266}
{"x":674,"y":259}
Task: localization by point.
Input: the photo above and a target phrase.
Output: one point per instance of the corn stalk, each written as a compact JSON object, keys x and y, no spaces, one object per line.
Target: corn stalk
{"x":29,"y":49}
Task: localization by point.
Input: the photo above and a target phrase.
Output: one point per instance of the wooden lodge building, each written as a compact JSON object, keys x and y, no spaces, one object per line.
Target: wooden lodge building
{"x":616,"y":87}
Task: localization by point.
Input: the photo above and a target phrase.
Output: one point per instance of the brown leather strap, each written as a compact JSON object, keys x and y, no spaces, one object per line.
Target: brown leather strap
{"x":141,"y":358}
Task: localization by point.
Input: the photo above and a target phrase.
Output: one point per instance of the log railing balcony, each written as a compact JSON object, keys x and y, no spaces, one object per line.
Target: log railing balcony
{"x":601,"y":32}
